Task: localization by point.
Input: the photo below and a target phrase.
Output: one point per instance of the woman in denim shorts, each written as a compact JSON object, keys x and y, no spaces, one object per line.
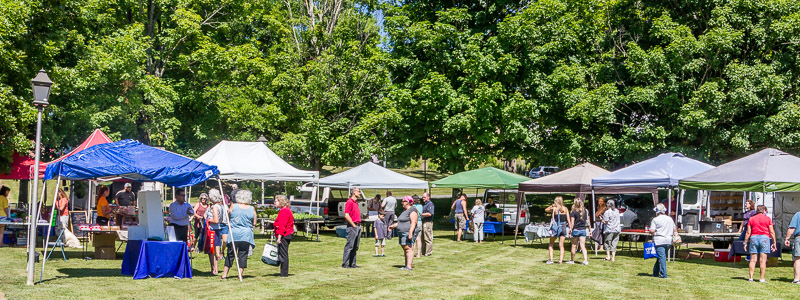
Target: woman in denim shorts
{"x":760,"y":240}
{"x":578,"y":219}
{"x":559,"y":227}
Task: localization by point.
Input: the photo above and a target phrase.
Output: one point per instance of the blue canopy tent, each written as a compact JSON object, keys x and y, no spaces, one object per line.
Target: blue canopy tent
{"x":662,"y":171}
{"x":130,"y":160}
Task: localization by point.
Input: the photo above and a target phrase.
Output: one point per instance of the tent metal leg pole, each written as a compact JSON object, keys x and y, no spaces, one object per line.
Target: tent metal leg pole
{"x":49,"y":228}
{"x":520,"y":198}
{"x":594,"y":212}
{"x":230,"y":235}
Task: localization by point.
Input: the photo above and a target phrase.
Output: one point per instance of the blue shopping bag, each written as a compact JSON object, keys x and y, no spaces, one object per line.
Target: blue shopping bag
{"x":650,"y":250}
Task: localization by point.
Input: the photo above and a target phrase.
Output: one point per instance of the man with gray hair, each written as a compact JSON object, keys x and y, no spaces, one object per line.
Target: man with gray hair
{"x":663,"y":230}
{"x":234,"y":189}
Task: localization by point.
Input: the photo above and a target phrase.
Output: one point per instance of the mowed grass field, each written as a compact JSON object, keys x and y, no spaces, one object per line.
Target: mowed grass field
{"x":455,"y":271}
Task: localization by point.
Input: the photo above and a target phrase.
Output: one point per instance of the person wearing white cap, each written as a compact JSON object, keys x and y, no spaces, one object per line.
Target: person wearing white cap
{"x":663,"y":230}
{"x":126,"y":197}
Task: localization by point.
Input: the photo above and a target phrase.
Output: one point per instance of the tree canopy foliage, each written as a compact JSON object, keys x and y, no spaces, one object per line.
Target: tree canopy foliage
{"x":461,"y":83}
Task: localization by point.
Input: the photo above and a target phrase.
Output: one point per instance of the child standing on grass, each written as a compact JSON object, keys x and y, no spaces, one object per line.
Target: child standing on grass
{"x":477,"y":220}
{"x":380,"y":233}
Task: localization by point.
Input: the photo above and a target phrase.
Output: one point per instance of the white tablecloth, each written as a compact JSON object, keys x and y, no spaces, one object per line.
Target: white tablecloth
{"x":536,"y":231}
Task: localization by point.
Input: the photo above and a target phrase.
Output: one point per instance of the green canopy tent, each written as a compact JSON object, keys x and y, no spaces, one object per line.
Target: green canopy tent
{"x":485,"y":178}
{"x":767,"y":171}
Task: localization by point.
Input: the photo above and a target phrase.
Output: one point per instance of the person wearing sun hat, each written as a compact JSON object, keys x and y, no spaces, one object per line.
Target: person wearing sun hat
{"x":663,"y":230}
{"x":407,"y":229}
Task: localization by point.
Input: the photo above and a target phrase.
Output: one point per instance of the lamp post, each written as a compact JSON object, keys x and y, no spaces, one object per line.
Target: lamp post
{"x":41,"y":92}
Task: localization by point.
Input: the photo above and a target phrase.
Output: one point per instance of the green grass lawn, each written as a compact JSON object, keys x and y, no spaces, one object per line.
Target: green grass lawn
{"x":456,"y":270}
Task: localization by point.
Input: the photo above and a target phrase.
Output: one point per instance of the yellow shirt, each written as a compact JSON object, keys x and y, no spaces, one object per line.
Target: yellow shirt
{"x":3,"y":206}
{"x":100,"y":205}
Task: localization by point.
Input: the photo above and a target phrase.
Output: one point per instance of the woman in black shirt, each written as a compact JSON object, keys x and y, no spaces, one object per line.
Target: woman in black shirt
{"x":578,"y":218}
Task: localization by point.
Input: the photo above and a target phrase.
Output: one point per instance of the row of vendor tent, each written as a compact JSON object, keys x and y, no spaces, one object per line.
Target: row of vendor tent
{"x":22,"y":166}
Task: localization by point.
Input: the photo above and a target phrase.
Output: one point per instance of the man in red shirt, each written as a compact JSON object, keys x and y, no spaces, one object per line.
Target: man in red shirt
{"x":761,"y":238}
{"x":352,"y":215}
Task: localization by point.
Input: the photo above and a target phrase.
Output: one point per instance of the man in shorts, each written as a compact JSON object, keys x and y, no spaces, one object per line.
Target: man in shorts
{"x":793,"y":240}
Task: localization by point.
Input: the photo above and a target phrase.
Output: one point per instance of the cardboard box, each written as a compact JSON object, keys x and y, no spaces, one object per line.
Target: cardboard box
{"x":104,"y":240}
{"x":105,"y":253}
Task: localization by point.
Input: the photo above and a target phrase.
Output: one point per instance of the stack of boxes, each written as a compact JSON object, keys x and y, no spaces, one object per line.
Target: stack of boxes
{"x":104,"y":245}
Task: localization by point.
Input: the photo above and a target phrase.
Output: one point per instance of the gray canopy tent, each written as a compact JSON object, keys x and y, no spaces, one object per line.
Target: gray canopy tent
{"x":768,"y":170}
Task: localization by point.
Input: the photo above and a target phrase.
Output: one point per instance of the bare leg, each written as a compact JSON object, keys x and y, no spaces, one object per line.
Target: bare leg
{"x":582,"y":241}
{"x":409,"y":257}
{"x":561,"y":249}
{"x":241,"y":272}
{"x":573,"y":248}
{"x":212,"y":260}
{"x":762,"y":261}
{"x":753,"y":260}
{"x":458,"y":237}
{"x":550,"y":247}
{"x":225,"y":272}
{"x":796,"y":268}
{"x":418,"y":247}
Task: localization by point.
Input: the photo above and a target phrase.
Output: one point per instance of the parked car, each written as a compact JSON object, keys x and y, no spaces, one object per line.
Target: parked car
{"x":542,"y":171}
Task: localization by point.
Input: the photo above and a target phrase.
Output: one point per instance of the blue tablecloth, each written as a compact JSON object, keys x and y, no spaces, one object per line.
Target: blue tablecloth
{"x":488,"y":226}
{"x":144,"y":259}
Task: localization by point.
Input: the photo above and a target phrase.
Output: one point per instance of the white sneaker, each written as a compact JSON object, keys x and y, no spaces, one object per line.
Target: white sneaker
{"x":549,"y":262}
{"x":763,"y":281}
{"x":570,"y":262}
{"x":585,"y":263}
{"x":750,"y":280}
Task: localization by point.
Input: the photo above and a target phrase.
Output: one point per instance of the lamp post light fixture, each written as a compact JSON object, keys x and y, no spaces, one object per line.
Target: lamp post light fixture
{"x":41,"y":93}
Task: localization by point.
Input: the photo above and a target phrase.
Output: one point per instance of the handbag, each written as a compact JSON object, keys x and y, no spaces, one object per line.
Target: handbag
{"x":676,"y":239}
{"x":270,"y":255}
{"x":650,"y":250}
{"x":553,"y":226}
{"x":597,"y":233}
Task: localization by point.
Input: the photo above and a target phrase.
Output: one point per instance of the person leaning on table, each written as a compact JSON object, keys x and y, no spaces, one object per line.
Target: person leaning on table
{"x":284,"y":228}
{"x":760,"y":237}
{"x":793,"y":240}
{"x":663,"y":229}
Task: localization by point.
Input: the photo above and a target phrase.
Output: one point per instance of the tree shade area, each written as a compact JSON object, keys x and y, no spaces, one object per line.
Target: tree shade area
{"x":455,"y":83}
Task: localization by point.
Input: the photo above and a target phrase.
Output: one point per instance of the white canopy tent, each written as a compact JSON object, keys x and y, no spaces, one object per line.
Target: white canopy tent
{"x":252,"y":161}
{"x":372,"y":176}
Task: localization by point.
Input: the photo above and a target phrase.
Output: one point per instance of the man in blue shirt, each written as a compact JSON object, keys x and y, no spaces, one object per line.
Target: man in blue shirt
{"x":793,"y":239}
{"x":427,"y":225}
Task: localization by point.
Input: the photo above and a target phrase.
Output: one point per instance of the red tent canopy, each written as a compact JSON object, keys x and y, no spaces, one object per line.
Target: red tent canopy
{"x":97,"y":137}
{"x":22,"y":167}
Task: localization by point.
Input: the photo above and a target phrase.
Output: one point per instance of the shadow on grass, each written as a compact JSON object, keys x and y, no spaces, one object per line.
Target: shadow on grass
{"x":91,"y":272}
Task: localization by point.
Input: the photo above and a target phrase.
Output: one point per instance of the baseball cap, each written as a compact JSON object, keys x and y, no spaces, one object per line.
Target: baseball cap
{"x":127,"y":184}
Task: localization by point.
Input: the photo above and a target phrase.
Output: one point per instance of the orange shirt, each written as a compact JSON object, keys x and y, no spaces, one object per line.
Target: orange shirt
{"x":102,"y":202}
